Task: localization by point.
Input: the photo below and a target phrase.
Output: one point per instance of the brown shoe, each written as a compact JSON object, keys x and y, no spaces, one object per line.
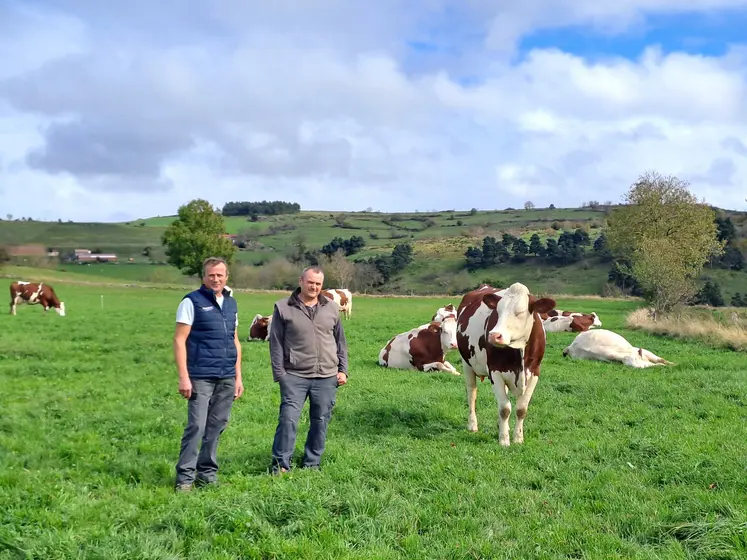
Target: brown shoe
{"x":187,"y":487}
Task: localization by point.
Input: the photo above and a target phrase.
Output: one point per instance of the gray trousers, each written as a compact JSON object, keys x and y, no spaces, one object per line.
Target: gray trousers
{"x":294,"y":391}
{"x":208,"y":411}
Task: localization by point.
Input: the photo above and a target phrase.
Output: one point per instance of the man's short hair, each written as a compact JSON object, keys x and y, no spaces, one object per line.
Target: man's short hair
{"x":314,"y":268}
{"x":211,"y":262}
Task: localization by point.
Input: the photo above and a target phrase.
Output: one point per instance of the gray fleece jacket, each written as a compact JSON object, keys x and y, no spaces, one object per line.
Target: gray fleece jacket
{"x":308,"y":342}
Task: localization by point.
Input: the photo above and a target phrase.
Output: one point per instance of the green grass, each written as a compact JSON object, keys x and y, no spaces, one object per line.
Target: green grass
{"x":618,"y":463}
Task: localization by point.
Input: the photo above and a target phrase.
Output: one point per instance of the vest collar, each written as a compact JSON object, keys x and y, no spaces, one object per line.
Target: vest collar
{"x":295,"y":298}
{"x":211,"y":295}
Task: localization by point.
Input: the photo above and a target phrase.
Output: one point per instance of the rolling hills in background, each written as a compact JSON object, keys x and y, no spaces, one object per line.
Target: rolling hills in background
{"x":439,"y":241}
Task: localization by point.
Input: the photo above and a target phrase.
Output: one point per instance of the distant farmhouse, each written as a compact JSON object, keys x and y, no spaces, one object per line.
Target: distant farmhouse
{"x":85,"y":256}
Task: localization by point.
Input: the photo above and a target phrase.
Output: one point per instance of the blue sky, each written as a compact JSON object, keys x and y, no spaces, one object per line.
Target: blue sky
{"x":138,"y":107}
{"x":709,"y":34}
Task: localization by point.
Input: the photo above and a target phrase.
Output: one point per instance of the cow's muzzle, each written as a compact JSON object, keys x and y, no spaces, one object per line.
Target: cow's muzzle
{"x":497,"y":339}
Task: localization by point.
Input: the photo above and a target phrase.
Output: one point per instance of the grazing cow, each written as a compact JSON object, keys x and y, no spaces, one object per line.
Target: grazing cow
{"x":423,"y":348}
{"x":500,"y":336}
{"x":607,"y":346}
{"x":570,"y":321}
{"x":343,"y":298}
{"x":443,"y":312}
{"x":33,"y":293}
{"x":260,"y":328}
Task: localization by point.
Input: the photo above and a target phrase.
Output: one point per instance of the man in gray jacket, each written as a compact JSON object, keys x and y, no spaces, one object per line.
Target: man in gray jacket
{"x":309,"y":358}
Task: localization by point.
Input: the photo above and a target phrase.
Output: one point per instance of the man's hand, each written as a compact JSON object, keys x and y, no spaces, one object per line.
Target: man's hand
{"x":239,"y":390}
{"x":185,"y":387}
{"x":342,"y":378}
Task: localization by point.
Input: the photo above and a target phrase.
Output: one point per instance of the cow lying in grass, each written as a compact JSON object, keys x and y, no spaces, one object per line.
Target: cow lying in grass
{"x":260,"y":328}
{"x":607,"y":346}
{"x":423,"y":348}
{"x":569,"y":321}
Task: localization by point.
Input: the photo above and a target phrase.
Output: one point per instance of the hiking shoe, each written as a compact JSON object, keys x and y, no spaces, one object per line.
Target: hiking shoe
{"x":185,"y":487}
{"x":202,"y":483}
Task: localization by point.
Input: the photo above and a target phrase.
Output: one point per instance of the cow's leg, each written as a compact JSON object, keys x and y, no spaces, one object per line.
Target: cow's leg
{"x":440,"y":366}
{"x":522,"y":404}
{"x":451,"y":368}
{"x":504,"y":409}
{"x":470,"y":382}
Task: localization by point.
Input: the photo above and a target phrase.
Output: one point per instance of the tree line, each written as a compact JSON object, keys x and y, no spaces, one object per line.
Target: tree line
{"x":264,"y":208}
{"x":570,"y":247}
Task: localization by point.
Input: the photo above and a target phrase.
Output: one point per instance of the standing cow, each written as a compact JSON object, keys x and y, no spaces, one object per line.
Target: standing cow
{"x":423,"y":348}
{"x":500,"y":336}
{"x":342,"y":297}
{"x":33,"y":293}
{"x":260,"y":328}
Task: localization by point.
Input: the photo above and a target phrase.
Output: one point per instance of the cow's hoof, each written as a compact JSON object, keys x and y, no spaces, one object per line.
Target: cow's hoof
{"x":472,"y":428}
{"x":505,"y":442}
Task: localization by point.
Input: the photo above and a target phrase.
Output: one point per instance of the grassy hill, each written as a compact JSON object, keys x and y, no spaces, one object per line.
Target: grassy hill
{"x":439,"y":240}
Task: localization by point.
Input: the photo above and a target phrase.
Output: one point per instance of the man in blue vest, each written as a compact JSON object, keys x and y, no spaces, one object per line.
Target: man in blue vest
{"x":207,"y":352}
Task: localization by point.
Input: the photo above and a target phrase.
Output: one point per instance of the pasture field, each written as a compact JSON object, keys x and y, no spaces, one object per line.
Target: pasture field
{"x":617,"y":463}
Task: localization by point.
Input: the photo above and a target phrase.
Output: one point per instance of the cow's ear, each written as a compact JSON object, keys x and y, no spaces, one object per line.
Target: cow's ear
{"x":542,"y":305}
{"x":435,"y":326}
{"x":491,"y":300}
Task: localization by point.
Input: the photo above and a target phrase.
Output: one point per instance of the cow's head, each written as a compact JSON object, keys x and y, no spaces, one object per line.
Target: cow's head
{"x":447,"y":331}
{"x":443,"y":312}
{"x":61,"y":309}
{"x":516,"y":308}
{"x":597,"y":321}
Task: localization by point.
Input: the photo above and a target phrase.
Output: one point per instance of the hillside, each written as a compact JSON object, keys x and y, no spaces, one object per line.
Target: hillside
{"x":439,"y":241}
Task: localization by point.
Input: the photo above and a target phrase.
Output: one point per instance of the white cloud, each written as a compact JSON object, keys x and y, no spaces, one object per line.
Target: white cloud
{"x":335,"y":113}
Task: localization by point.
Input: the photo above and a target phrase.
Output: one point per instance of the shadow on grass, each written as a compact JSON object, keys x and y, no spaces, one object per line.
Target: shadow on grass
{"x":388,"y":421}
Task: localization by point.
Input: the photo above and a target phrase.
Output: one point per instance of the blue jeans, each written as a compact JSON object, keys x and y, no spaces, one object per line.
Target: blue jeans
{"x":294,"y":390}
{"x":208,"y":411}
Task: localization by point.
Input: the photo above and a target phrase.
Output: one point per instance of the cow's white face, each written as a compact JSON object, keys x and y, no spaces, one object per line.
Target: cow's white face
{"x":448,"y":334}
{"x":61,"y":309}
{"x":515,"y":315}
{"x":597,"y":322}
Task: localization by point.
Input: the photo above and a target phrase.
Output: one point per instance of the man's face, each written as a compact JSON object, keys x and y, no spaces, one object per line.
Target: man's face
{"x":311,"y":284}
{"x":216,"y":277}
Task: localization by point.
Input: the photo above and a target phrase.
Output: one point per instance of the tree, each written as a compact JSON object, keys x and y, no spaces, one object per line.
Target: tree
{"x":528,"y":205}
{"x":709,"y":294}
{"x":535,"y":245}
{"x":667,"y":235}
{"x":196,"y":234}
{"x":340,"y":270}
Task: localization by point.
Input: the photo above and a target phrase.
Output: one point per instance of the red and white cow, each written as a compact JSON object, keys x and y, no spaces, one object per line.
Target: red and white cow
{"x":569,"y":321}
{"x":342,"y":297}
{"x":423,"y":348}
{"x":443,"y":312}
{"x":33,"y":293}
{"x":607,"y":346}
{"x":500,"y":336}
{"x":260,"y":328}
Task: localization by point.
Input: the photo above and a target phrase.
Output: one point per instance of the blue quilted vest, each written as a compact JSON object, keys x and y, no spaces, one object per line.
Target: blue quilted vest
{"x":210,"y":347}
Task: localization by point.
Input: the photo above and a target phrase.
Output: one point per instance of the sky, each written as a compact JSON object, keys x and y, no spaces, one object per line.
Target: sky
{"x":112,"y":111}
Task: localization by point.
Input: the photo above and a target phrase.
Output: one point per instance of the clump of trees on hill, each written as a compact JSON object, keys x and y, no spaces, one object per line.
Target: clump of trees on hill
{"x":264,"y":208}
{"x":570,"y":247}
{"x":348,"y":246}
